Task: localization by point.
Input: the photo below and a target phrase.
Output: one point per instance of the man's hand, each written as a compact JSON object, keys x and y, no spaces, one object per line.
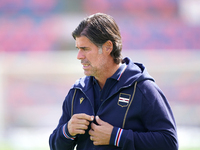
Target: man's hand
{"x":79,"y":123}
{"x":100,"y":134}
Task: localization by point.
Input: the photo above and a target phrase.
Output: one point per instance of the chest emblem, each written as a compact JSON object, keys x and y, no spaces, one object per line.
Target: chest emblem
{"x":124,"y":99}
{"x":81,"y":100}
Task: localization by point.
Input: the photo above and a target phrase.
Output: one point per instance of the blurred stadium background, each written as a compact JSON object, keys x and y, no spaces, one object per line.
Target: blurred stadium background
{"x":38,"y":61}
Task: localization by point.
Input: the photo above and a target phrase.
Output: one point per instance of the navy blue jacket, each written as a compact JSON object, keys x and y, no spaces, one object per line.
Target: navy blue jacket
{"x":135,"y":106}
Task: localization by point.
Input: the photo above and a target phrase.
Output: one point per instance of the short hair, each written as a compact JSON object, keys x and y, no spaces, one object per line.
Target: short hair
{"x":99,"y":28}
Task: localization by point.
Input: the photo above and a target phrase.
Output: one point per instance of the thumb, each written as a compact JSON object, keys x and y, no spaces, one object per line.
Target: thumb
{"x":99,"y":121}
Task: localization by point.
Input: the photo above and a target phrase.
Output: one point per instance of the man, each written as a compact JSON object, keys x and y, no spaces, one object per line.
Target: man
{"x":117,"y":105}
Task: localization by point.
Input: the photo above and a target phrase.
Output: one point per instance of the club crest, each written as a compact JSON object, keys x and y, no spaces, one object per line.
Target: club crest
{"x":124,"y":99}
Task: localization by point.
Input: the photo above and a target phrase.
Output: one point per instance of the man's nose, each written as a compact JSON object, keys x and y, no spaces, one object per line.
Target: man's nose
{"x":80,"y":55}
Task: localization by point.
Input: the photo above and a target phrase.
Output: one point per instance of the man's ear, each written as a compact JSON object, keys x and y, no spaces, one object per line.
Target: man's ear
{"x":108,"y":45}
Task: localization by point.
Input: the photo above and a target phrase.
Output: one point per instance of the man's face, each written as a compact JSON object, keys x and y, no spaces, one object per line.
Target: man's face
{"x":91,"y":57}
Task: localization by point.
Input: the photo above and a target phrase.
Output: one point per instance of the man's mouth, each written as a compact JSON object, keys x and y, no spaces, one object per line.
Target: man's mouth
{"x":85,"y":66}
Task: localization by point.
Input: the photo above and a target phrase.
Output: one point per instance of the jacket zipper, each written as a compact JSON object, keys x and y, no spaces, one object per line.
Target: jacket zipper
{"x":124,"y":120}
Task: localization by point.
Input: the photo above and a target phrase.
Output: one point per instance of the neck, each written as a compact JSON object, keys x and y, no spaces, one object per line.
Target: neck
{"x":107,"y":74}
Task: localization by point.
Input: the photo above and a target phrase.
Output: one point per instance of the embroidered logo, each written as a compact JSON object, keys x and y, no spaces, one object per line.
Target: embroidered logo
{"x":124,"y":99}
{"x":81,"y":100}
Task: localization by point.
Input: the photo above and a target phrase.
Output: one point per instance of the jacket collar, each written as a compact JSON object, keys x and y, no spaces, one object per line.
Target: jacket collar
{"x":128,"y":73}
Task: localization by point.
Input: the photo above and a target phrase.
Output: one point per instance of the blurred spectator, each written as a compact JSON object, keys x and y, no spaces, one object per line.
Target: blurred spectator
{"x":30,"y":25}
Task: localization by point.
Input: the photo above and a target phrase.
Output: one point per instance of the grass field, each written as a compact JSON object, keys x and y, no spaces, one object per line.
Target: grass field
{"x":5,"y":146}
{"x":189,"y":148}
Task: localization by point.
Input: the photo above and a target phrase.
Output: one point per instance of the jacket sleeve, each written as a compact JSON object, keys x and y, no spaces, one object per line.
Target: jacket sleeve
{"x":158,"y":121}
{"x":60,"y":139}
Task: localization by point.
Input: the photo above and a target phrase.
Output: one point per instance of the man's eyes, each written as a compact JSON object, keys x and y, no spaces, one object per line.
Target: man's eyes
{"x":84,"y":49}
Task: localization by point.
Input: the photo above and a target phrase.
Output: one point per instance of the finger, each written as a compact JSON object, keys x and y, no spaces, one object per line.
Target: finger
{"x":79,"y":131}
{"x":91,"y":138}
{"x":91,"y":132}
{"x":81,"y":126}
{"x":99,"y":121}
{"x":74,"y":130}
{"x":81,"y":119}
{"x":77,"y":126}
{"x":85,"y":116}
{"x":96,"y":143}
{"x":93,"y":126}
{"x":82,"y":122}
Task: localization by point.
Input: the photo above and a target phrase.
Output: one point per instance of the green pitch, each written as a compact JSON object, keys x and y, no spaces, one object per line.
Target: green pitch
{"x":6,"y":146}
